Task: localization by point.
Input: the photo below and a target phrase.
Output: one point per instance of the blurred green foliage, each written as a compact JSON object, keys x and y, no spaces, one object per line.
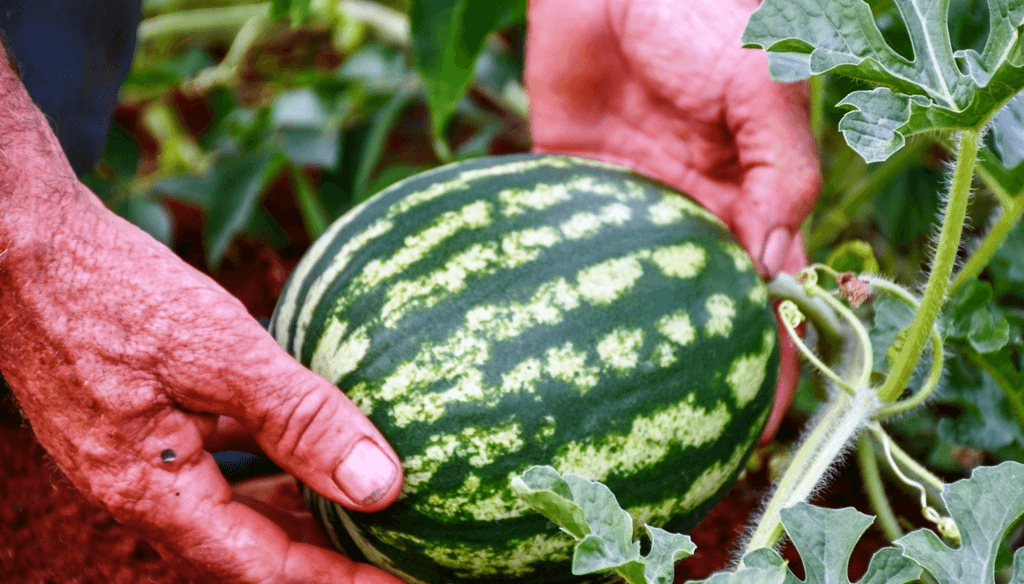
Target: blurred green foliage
{"x":227,"y":97}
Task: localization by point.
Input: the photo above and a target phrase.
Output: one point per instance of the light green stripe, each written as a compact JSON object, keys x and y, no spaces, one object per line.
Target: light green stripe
{"x":608,"y":281}
{"x":515,"y":249}
{"x":703,"y":487}
{"x":747,"y":372}
{"x":721,"y":311}
{"x":460,"y":357}
{"x":478,"y":446}
{"x":758,"y":294}
{"x":289,"y":302}
{"x":587,"y":224}
{"x":338,"y":354}
{"x":516,"y":202}
{"x":329,"y":275}
{"x":673,"y":208}
{"x":649,"y":440}
{"x":468,"y":561}
{"x":568,"y":364}
{"x":420,"y":245}
{"x":482,"y":502}
{"x":677,"y":327}
{"x":620,"y":349}
{"x":680,"y":261}
{"x":740,"y":259}
{"x":464,"y":180}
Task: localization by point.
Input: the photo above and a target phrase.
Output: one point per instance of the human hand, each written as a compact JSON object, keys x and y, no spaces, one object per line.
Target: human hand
{"x":122,"y":357}
{"x":666,"y":88}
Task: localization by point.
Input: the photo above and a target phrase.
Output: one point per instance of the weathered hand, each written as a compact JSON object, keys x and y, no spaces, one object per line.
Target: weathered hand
{"x":665,"y":87}
{"x":123,"y":357}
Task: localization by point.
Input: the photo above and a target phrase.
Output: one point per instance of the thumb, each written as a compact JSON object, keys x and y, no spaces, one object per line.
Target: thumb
{"x":309,"y":428}
{"x":779,"y":159}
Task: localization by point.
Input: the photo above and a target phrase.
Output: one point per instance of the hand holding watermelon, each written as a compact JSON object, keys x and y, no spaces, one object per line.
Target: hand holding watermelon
{"x":122,"y":357}
{"x":667,"y":90}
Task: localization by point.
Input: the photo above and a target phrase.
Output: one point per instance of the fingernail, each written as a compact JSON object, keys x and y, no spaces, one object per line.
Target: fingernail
{"x":366,"y":474}
{"x":776,"y":249}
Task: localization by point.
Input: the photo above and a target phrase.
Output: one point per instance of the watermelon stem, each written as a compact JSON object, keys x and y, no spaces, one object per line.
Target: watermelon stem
{"x":843,"y":418}
{"x":945,"y":523}
{"x":938,"y":353}
{"x":791,"y":317}
{"x":867,"y":463}
{"x":861,"y":335}
{"x":942,"y":268}
{"x":824,"y":319}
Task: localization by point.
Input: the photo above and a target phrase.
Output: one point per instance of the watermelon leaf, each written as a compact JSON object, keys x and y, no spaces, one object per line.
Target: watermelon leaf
{"x":984,"y":508}
{"x":1007,"y":130}
{"x":543,"y":489}
{"x":589,"y":512}
{"x":825,"y":539}
{"x":938,"y":89}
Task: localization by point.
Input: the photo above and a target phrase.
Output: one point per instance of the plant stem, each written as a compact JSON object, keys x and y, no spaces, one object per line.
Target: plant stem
{"x":910,"y":467}
{"x":391,"y":24}
{"x":785,"y":287}
{"x":990,"y":244}
{"x":942,"y":268}
{"x":843,"y":417}
{"x":860,"y":333}
{"x":938,"y":353}
{"x":201,"y":21}
{"x":817,"y":88}
{"x":875,"y":490}
{"x":314,"y":217}
{"x":809,"y":354}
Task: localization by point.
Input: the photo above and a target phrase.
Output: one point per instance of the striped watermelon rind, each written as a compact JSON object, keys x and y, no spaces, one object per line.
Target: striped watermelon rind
{"x":504,"y":312}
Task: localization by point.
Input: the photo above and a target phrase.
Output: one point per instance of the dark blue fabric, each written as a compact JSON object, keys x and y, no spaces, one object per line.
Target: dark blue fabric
{"x":73,"y":56}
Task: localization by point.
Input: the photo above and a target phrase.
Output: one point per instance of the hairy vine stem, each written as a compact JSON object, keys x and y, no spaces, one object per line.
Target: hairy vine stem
{"x":843,"y":418}
{"x":942,"y":268}
{"x":938,"y":353}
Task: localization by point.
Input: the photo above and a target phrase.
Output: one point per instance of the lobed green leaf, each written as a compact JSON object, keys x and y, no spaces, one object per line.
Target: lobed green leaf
{"x":984,"y":508}
{"x":589,"y":512}
{"x":825,"y":539}
{"x":938,"y":88}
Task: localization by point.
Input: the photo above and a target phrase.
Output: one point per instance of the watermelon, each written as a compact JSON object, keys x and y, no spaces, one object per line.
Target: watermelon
{"x":510,"y":311}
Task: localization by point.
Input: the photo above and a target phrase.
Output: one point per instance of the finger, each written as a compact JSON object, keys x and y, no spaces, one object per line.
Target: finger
{"x":186,"y":509}
{"x":785,"y":387}
{"x":303,"y":423}
{"x":230,"y":435}
{"x":277,"y":497}
{"x":779,"y":160}
{"x":315,"y":433}
{"x":796,"y":256}
{"x":789,"y":357}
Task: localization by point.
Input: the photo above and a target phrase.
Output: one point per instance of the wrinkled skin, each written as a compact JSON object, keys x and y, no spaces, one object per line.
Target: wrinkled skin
{"x":120,"y":354}
{"x":664,"y":87}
